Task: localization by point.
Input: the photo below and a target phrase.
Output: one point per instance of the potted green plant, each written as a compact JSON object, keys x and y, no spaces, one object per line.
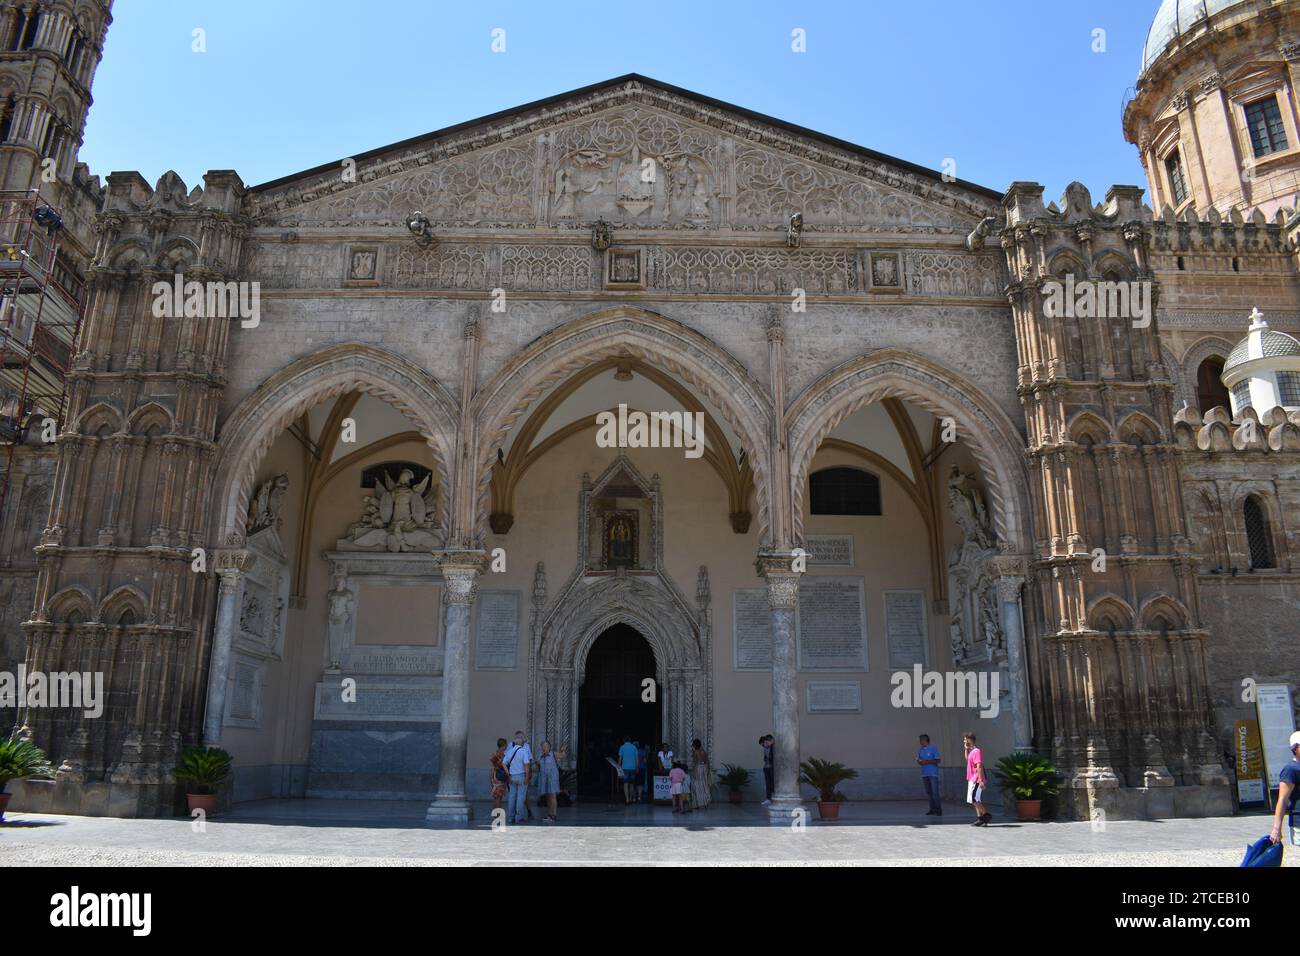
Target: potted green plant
{"x":1029,"y":778}
{"x":735,"y":779}
{"x":825,"y":777}
{"x":203,"y":770}
{"x":20,"y":759}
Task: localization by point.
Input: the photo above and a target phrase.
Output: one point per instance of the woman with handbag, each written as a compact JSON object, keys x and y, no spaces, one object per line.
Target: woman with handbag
{"x":500,"y":779}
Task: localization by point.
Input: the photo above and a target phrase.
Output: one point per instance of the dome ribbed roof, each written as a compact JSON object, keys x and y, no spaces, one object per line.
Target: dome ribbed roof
{"x":1173,"y":19}
{"x":1272,"y":344}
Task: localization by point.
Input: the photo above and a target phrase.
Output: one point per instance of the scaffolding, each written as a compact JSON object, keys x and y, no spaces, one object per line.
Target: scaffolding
{"x":41,"y":306}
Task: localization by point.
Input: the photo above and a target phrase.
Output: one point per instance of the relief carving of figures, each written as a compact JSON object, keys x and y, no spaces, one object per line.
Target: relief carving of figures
{"x":264,"y":512}
{"x":398,"y":517}
{"x":342,"y":607}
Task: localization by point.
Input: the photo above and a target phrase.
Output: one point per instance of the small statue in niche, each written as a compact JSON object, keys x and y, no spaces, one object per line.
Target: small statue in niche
{"x":342,"y":604}
{"x":968,"y":509}
{"x":264,"y":512}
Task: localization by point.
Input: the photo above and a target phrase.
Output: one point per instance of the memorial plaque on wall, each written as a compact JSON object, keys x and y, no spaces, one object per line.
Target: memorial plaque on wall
{"x":834,"y":697}
{"x":497,"y":632}
{"x":832,"y":624}
{"x":831,"y":550}
{"x":751,"y":630}
{"x":905,"y":629}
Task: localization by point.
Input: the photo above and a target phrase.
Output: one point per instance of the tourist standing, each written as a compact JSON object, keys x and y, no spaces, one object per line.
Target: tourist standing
{"x":549,"y":778}
{"x":677,"y":779}
{"x":627,"y":762}
{"x":927,"y":757}
{"x":518,"y":761}
{"x":500,"y":779}
{"x":768,"y":743}
{"x":642,"y":770}
{"x":1288,"y":796}
{"x":975,"y":780}
{"x":701,"y":777}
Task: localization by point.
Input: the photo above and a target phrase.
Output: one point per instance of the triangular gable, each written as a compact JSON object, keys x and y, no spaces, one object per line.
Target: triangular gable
{"x":636,"y":153}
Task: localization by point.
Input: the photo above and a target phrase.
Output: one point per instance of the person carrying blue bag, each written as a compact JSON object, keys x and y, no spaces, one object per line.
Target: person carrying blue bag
{"x":1288,"y":799}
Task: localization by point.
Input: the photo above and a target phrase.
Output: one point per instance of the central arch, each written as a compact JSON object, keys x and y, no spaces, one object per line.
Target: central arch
{"x":651,"y":338}
{"x":612,"y":704}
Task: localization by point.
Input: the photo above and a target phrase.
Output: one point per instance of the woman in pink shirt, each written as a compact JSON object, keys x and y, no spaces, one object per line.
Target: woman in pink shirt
{"x":975,"y":780}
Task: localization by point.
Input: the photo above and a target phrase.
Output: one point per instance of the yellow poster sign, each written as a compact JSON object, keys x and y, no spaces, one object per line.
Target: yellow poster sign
{"x":1250,"y":761}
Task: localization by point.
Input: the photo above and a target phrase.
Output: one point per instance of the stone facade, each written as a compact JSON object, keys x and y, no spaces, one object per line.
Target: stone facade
{"x":466,"y":300}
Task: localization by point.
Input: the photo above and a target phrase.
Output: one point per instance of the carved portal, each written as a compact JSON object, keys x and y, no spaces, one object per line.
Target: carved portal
{"x":643,"y":597}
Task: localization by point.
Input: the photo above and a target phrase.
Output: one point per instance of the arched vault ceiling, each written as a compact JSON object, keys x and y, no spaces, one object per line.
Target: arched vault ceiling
{"x":580,"y":396}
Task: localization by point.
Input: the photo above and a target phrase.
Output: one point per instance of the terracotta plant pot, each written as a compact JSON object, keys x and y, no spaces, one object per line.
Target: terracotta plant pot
{"x":207,"y":802}
{"x":1029,"y":810}
{"x":733,"y":796}
{"x":829,"y":809}
{"x":4,"y":804}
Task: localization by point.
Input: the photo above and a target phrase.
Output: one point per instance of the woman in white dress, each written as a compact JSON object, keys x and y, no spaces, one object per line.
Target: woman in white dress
{"x":701,"y":777}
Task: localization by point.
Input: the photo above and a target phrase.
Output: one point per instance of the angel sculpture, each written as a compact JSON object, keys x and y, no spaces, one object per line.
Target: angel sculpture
{"x":398,"y":517}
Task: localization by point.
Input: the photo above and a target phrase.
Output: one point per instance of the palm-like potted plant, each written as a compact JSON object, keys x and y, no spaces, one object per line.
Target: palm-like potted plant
{"x":735,"y":779}
{"x":20,"y":759}
{"x":825,"y":777}
{"x":203,"y":770}
{"x":1028,"y":777}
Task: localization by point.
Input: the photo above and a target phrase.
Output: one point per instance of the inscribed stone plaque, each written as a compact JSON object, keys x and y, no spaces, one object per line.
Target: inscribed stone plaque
{"x":376,"y":700}
{"x":832,"y":624}
{"x":497,"y":631}
{"x":833,"y":550}
{"x":905,"y":629}
{"x":751,"y":630}
{"x":834,"y":697}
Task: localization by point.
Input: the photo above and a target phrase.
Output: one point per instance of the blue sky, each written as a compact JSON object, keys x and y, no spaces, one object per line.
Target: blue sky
{"x":1009,"y":89}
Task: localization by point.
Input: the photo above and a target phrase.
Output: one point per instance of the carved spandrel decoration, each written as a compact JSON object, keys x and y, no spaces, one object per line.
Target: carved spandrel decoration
{"x":264,"y":509}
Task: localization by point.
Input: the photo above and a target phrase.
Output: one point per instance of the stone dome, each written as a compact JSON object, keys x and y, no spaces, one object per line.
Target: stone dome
{"x":1173,"y":19}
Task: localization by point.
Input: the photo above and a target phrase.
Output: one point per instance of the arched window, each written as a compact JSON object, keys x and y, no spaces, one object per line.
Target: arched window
{"x":1258,"y":539}
{"x":844,"y":491}
{"x":1210,"y":390}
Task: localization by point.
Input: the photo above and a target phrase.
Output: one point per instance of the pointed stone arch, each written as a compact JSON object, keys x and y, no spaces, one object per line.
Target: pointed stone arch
{"x":648,"y":603}
{"x":993,"y":440}
{"x":650,"y":338}
{"x":252,"y":428}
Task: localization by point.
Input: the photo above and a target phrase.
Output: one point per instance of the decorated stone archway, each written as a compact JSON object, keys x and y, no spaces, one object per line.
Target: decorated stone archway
{"x":985,"y":429}
{"x":649,"y":604}
{"x":247,"y":435}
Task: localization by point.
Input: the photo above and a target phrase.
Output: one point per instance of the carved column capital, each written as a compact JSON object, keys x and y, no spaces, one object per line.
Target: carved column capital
{"x":460,"y":572}
{"x":782,"y":580}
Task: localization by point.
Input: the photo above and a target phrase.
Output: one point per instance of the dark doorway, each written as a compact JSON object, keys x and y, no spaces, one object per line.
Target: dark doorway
{"x":610,"y":704}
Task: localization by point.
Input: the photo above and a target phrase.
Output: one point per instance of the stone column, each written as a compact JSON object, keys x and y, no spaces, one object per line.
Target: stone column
{"x":1009,"y":587}
{"x":782,"y":599}
{"x":230,"y":568}
{"x":450,"y":807}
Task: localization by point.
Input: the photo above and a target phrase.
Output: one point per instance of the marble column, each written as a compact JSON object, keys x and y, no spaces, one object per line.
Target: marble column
{"x":782,"y":599}
{"x":450,"y":807}
{"x":230,"y":568}
{"x":1009,"y":588}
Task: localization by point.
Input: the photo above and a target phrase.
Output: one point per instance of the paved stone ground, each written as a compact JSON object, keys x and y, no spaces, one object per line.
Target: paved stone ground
{"x":372,"y":833}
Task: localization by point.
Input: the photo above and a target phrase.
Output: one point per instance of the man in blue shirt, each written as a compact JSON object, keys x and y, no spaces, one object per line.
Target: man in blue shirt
{"x":1288,"y":796}
{"x":927,"y":758}
{"x":627,"y":760}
